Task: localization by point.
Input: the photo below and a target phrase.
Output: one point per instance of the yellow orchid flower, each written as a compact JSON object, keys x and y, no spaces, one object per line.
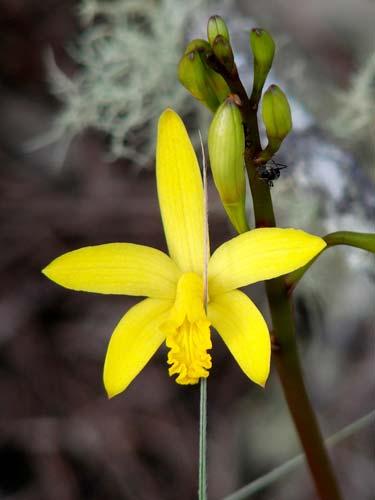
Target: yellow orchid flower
{"x":174,"y":311}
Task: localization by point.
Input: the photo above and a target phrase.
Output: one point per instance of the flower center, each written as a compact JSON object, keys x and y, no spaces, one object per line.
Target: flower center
{"x":187,"y":332}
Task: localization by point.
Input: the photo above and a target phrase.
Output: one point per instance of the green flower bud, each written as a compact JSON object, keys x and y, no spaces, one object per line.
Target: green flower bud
{"x":216,"y":26}
{"x":217,"y":83}
{"x":277,"y":119}
{"x":198,"y":44}
{"x":198,"y":78}
{"x":226,"y":146}
{"x":223,"y":52}
{"x":263,"y":48}
{"x":192,"y":75}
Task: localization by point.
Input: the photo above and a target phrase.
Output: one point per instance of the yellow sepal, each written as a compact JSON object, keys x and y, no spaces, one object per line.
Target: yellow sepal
{"x":116,"y":268}
{"x":180,"y":192}
{"x":135,"y":339}
{"x":258,"y":255}
{"x":244,"y":331}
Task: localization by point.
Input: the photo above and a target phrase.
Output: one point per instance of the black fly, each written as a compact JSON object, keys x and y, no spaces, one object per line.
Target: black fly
{"x":269,"y":172}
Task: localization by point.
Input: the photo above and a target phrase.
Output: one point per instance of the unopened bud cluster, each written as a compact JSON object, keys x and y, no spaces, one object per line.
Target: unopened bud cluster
{"x":208,"y":70}
{"x":197,"y":70}
{"x":198,"y":78}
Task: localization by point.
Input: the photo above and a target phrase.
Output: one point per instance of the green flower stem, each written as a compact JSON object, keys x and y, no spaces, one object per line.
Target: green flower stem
{"x":202,"y":479}
{"x":288,"y":366}
{"x":202,"y":474}
{"x":364,"y":241}
{"x":286,"y":353}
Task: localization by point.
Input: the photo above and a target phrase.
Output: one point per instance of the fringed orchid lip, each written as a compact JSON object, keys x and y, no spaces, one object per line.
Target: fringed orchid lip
{"x":188,"y":332}
{"x":174,"y":312}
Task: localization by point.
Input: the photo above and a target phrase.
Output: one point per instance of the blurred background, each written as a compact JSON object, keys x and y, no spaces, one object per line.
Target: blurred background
{"x":81,"y":86}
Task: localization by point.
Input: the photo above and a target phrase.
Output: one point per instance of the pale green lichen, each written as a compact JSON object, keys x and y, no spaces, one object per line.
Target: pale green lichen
{"x":128,"y":55}
{"x":355,"y":118}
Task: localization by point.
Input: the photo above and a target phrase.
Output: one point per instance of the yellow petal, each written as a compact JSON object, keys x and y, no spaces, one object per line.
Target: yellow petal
{"x":135,"y":339}
{"x":116,"y":268}
{"x":258,"y":255}
{"x":243,"y":329}
{"x":180,"y":193}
